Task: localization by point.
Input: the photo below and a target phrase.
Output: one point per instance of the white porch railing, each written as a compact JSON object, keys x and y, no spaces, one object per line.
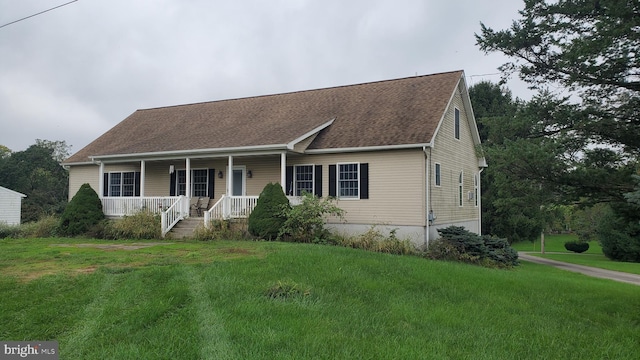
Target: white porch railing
{"x":122,"y":206}
{"x":171,"y":208}
{"x":236,"y":207}
{"x":231,"y":207}
{"x":176,"y":212}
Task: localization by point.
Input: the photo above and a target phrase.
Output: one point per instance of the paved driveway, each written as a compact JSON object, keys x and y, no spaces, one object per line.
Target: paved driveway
{"x":586,"y":270}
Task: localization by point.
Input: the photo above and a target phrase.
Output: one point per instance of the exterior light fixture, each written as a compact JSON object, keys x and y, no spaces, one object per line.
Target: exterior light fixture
{"x":220,"y":174}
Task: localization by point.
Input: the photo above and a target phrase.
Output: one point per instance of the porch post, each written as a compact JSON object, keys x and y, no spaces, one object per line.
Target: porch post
{"x":143,"y":170}
{"x":230,"y":176}
{"x":228,"y":211}
{"x":101,"y":181}
{"x":188,"y":178}
{"x":283,"y":171}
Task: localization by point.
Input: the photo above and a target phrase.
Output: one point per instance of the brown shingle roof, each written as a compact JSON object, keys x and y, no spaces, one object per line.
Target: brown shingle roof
{"x":392,"y":112}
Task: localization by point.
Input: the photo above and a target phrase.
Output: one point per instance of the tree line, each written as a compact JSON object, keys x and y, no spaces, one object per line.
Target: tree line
{"x":37,"y":172}
{"x":575,"y":144}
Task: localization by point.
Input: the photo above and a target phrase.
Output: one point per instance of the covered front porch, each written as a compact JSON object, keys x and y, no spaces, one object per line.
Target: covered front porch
{"x":128,"y":187}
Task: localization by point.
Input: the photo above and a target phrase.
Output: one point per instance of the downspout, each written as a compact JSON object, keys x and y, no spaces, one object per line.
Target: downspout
{"x":427,"y":165}
{"x":480,"y":201}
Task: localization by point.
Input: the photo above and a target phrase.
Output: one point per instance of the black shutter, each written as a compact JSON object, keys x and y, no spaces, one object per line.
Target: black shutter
{"x":136,"y":184}
{"x":332,"y":180}
{"x":105,"y":185}
{"x":289,"y":180}
{"x":317,"y":181}
{"x":172,"y":184}
{"x":364,"y":181}
{"x":210,"y":186}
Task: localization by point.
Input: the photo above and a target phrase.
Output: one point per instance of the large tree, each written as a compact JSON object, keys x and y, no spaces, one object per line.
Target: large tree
{"x":37,"y":173}
{"x":587,"y":51}
{"x":514,"y":202}
{"x":589,"y":48}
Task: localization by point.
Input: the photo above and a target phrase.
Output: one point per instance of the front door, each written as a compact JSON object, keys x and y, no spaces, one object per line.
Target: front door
{"x":238,"y":186}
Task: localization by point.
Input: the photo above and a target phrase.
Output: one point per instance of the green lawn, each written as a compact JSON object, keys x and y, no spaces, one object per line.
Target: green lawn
{"x":554,"y":249}
{"x":191,"y":300}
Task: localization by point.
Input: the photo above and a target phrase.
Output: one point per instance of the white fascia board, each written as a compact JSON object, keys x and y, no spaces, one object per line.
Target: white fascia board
{"x":453,"y":94}
{"x":12,"y":192}
{"x":167,"y":155}
{"x":291,"y":144}
{"x":367,"y":148}
{"x":66,"y":165}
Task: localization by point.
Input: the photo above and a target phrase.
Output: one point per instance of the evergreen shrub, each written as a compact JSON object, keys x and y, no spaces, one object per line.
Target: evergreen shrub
{"x":267,"y":217}
{"x":576,"y":246}
{"x":458,"y":244}
{"x":83,"y":212}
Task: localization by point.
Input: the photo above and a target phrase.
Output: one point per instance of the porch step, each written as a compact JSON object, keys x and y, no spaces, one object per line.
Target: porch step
{"x":185,"y":228}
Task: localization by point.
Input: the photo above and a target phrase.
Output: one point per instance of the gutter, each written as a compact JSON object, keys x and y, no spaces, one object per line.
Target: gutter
{"x":276,"y":148}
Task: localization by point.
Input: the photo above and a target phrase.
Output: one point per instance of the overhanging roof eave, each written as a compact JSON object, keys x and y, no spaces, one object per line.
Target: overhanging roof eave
{"x":179,"y":154}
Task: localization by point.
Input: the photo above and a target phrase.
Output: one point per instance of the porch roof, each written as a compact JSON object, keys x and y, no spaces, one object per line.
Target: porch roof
{"x":386,"y":113}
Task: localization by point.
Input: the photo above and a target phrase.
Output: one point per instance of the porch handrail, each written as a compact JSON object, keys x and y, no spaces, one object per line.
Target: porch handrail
{"x":176,"y":212}
{"x":216,"y":211}
{"x":237,"y":207}
{"x":229,"y":207}
{"x":116,"y":206}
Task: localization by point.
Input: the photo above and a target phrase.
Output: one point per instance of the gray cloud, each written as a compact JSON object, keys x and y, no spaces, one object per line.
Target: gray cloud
{"x":73,"y":73}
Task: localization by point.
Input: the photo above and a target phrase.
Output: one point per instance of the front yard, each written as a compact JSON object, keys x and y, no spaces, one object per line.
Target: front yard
{"x":206,"y":300}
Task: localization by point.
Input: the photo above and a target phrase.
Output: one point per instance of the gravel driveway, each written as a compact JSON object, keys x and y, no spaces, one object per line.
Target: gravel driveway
{"x":586,"y":270}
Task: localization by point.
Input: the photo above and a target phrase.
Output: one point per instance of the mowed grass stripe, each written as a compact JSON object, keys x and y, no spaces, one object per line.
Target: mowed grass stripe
{"x":214,"y":340}
{"x":75,"y":346}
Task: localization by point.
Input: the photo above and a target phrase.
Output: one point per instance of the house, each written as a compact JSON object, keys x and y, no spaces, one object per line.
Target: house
{"x":402,"y":154}
{"x":10,"y":206}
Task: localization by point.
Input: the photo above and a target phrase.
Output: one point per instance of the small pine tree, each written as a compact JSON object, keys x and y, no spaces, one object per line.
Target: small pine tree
{"x":267,"y":217}
{"x":82,"y":213}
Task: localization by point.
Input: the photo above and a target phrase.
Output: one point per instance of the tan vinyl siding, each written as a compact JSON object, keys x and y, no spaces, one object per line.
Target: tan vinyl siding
{"x":81,"y":174}
{"x":396,"y":181}
{"x":396,"y":186}
{"x":454,"y":156}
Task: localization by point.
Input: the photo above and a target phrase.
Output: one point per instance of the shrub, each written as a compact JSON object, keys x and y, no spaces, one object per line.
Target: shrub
{"x":142,"y":225}
{"x":267,"y":217}
{"x":47,"y":226}
{"x":619,"y":238}
{"x":458,"y":244}
{"x":218,"y":230}
{"x":374,"y":240}
{"x":10,"y":231}
{"x":576,"y":246}
{"x":82,"y":212}
{"x":305,"y":222}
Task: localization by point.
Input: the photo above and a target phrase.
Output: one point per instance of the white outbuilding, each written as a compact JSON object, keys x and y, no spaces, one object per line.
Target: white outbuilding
{"x":10,"y":206}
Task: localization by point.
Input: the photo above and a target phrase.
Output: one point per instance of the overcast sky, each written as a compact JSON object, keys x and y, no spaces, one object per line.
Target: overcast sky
{"x":73,"y":73}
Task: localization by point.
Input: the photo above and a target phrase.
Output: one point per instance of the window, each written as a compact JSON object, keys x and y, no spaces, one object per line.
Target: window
{"x":122,"y":184}
{"x":115,"y":184}
{"x":437,"y":175}
{"x":303,"y":179}
{"x":348,"y":181}
{"x":199,"y":182}
{"x":460,"y":190}
{"x":128,"y":183}
{"x":457,"y":123}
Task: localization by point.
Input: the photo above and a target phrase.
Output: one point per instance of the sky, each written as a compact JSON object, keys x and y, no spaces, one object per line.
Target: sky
{"x":73,"y":73}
